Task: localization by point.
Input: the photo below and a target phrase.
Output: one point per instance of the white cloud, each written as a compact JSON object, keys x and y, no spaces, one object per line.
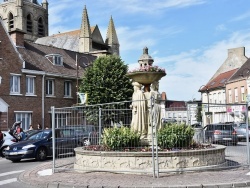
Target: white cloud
{"x":151,"y":6}
{"x":192,"y":69}
{"x":244,"y":16}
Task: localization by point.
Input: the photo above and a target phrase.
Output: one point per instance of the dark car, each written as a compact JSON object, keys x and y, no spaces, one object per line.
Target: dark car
{"x":39,"y":145}
{"x":221,"y":133}
{"x":86,"y":134}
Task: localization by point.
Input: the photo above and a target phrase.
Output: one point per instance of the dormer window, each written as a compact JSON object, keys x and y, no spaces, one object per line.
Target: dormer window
{"x":55,"y":59}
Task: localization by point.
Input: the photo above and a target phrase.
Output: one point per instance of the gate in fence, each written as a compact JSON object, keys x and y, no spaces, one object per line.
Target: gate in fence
{"x":84,"y":125}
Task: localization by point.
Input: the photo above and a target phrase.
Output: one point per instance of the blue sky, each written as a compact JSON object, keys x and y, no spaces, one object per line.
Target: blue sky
{"x":189,"y":38}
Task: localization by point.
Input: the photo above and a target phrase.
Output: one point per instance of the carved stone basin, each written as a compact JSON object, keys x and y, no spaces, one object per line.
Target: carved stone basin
{"x":146,"y":77}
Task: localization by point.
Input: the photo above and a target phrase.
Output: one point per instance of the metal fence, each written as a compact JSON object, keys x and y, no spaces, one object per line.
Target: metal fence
{"x":85,"y":125}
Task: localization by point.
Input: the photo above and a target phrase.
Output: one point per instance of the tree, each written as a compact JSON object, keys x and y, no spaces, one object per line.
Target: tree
{"x":106,"y":81}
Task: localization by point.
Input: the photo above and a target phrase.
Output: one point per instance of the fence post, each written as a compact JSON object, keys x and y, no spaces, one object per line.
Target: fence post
{"x":247,"y":135}
{"x":100,"y":125}
{"x":53,"y":137}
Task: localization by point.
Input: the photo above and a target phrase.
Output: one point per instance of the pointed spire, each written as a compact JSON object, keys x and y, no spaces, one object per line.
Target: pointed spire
{"x":111,"y":37}
{"x":85,"y":27}
{"x":85,"y":38}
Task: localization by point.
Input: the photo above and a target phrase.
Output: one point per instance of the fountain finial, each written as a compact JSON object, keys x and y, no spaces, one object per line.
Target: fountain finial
{"x":145,"y":50}
{"x":145,"y":59}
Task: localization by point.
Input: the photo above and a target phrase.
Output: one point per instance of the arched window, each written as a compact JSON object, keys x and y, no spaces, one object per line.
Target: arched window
{"x":40,"y":27}
{"x":29,"y":27}
{"x":11,"y":21}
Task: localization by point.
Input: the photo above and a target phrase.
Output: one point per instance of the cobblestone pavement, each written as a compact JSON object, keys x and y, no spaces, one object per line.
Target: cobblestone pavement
{"x":42,"y":176}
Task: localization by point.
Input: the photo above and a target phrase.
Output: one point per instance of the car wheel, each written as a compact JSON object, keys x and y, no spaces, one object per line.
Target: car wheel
{"x":86,"y":142}
{"x":2,"y":151}
{"x":15,"y":160}
{"x":41,"y":154}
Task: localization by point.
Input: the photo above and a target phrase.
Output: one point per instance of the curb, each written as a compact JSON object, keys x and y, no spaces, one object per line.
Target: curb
{"x":31,"y":177}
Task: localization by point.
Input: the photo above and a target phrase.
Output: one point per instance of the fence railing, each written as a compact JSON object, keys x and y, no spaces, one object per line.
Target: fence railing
{"x":89,"y":122}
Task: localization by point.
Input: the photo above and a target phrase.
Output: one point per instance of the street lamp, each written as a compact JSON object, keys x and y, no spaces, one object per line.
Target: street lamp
{"x":205,"y":89}
{"x":83,"y":65}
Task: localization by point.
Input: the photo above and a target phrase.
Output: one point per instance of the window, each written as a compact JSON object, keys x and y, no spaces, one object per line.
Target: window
{"x":29,"y":27}
{"x":30,"y":85}
{"x":50,"y":87}
{"x":25,"y":118}
{"x":55,"y":59}
{"x":242,"y":93}
{"x":40,"y":27}
{"x":230,"y":96}
{"x":215,"y":98}
{"x":219,"y":98}
{"x":15,"y":84}
{"x":236,"y":94}
{"x":224,"y":97}
{"x":11,"y":21}
{"x":67,"y":89}
{"x":169,"y":115}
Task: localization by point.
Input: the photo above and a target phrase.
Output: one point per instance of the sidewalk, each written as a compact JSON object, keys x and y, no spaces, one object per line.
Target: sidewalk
{"x":42,"y":176}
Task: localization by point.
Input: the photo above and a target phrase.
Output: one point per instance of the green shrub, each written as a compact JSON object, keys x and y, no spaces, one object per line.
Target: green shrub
{"x":119,"y":138}
{"x":175,"y":136}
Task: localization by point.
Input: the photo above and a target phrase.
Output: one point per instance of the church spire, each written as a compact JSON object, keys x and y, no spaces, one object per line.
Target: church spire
{"x":111,"y":38}
{"x":85,"y":38}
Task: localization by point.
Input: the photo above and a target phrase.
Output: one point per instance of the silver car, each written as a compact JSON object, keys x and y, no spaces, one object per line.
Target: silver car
{"x":221,"y":133}
{"x":8,"y":140}
{"x":242,"y":131}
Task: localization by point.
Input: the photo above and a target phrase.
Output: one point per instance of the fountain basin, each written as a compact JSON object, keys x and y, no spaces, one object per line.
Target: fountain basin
{"x":146,"y":77}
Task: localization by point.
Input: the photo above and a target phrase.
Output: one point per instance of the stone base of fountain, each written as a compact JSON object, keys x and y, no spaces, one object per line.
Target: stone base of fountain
{"x":141,"y":162}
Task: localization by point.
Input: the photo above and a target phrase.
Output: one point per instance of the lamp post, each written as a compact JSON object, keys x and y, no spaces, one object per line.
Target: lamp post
{"x":207,"y":92}
{"x":83,"y":65}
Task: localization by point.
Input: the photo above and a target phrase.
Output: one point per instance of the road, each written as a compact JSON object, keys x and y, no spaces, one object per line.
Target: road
{"x":9,"y":172}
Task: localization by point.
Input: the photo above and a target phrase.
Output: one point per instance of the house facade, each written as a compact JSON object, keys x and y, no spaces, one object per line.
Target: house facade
{"x":237,"y":92}
{"x":214,"y":93}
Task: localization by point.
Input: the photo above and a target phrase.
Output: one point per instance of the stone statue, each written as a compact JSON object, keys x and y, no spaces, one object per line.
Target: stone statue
{"x":154,"y":113}
{"x":139,"y":111}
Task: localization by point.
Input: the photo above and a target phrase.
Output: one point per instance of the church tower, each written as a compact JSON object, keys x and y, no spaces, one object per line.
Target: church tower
{"x":112,"y":39}
{"x":27,"y":16}
{"x":85,"y":38}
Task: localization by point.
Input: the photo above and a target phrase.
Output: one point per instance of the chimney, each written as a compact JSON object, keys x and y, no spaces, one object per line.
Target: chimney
{"x":17,"y":37}
{"x":236,"y":51}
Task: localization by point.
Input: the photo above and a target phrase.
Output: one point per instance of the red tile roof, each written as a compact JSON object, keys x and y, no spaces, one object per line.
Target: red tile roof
{"x":219,"y":81}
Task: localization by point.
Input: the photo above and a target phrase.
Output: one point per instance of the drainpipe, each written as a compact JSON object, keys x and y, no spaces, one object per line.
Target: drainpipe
{"x":43,"y":100}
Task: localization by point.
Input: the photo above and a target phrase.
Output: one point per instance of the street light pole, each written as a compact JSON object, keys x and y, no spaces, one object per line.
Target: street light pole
{"x":84,"y":65}
{"x":207,"y":92}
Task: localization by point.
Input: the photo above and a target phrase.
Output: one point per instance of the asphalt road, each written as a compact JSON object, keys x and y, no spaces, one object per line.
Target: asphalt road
{"x":9,"y":172}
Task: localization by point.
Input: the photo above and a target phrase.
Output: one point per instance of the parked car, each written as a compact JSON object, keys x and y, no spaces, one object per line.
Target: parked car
{"x":221,"y":133}
{"x":87,"y":134}
{"x":242,"y":131}
{"x":196,"y":125}
{"x":39,"y":145}
{"x":8,"y":140}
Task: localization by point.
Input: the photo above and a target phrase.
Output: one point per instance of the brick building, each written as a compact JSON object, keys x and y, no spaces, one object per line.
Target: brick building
{"x":39,"y":71}
{"x":34,"y":78}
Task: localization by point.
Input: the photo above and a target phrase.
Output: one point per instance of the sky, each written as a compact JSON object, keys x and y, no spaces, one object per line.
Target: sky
{"x":189,"y":38}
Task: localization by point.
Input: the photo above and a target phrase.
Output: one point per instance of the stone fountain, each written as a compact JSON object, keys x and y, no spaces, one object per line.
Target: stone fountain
{"x":146,"y":98}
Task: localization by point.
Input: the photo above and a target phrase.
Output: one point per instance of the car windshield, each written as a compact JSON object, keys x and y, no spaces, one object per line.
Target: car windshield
{"x":39,"y":135}
{"x":223,"y":127}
